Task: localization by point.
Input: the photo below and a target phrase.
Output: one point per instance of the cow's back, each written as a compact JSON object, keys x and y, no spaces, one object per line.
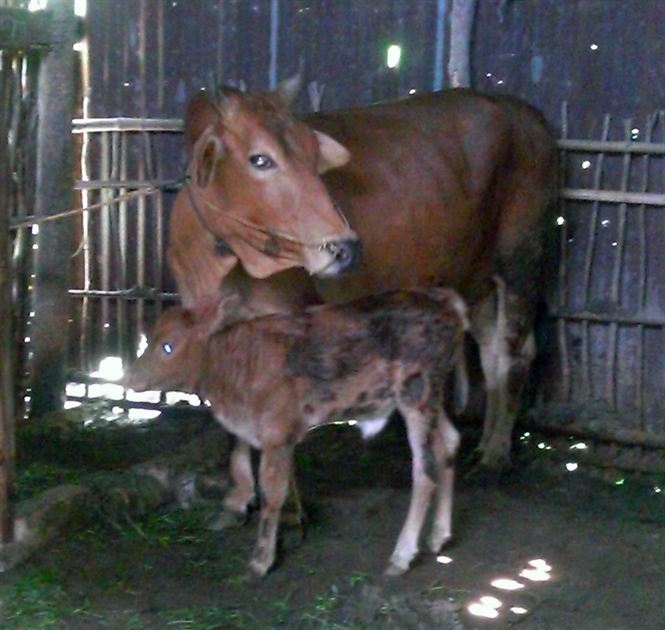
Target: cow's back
{"x":442,"y":189}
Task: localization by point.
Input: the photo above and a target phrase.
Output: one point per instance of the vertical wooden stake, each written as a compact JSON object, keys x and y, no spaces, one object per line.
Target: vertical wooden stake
{"x":461,"y":28}
{"x":54,"y":194}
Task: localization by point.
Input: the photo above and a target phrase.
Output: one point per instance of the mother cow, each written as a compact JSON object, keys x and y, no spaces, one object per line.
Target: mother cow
{"x":450,"y":188}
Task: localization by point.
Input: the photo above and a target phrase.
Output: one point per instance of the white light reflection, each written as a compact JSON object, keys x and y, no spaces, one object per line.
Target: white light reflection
{"x":594,"y":46}
{"x":110,"y":369}
{"x":518,"y":610}
{"x":394,"y":54}
{"x":143,"y":345}
{"x":578,"y":446}
{"x":571,"y":466}
{"x":444,"y":559}
{"x":586,"y":164}
{"x":506,"y":584}
{"x":539,"y":571}
{"x":560,"y":221}
{"x":487,"y":607}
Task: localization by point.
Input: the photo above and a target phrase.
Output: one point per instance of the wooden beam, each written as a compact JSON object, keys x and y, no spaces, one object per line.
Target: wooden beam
{"x":21,"y":29}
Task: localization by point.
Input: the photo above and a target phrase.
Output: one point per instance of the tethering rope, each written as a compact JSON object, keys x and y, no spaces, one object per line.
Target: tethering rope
{"x":141,"y":192}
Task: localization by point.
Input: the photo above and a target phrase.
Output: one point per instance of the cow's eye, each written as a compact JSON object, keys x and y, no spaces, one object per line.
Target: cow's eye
{"x":262,"y":162}
{"x":168,"y":348}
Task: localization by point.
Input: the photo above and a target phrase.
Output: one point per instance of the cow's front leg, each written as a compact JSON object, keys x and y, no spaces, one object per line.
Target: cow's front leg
{"x":274,"y":473}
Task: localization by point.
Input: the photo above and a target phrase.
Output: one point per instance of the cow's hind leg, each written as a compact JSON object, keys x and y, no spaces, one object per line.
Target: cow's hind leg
{"x":446,"y":441}
{"x":504,"y":330}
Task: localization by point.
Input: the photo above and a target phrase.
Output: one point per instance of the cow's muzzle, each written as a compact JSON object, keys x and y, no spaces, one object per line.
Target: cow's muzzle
{"x":346,"y":257}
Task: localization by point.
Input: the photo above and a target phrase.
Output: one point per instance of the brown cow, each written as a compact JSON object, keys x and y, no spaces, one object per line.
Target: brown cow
{"x":449,"y":189}
{"x":270,"y":379}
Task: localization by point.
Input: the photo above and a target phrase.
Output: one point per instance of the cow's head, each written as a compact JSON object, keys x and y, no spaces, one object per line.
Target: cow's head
{"x":254,"y":182}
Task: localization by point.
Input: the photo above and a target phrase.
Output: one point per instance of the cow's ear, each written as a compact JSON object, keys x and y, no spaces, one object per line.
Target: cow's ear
{"x":331,"y":153}
{"x":208,"y":150}
{"x":289,"y":88}
{"x":199,"y":115}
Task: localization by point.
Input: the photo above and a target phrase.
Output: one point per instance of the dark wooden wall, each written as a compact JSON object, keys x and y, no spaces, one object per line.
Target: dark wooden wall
{"x":149,"y":56}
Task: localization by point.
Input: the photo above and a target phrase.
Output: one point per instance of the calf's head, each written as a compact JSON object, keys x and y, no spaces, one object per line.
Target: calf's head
{"x":254,"y":182}
{"x":171,"y":360}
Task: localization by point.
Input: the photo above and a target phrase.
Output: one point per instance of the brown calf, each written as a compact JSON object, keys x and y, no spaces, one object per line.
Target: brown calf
{"x":269,"y":380}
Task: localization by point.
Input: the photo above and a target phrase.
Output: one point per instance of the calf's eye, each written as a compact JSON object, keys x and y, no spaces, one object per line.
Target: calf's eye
{"x":168,"y":348}
{"x":262,"y":162}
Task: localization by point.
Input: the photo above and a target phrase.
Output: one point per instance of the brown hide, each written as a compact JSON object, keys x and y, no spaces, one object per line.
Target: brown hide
{"x":254,"y":180}
{"x":451,"y":188}
{"x":269,"y":380}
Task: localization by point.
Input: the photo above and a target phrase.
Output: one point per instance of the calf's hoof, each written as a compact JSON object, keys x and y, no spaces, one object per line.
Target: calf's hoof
{"x":255,"y":572}
{"x":396,"y":568}
{"x":438,"y":540}
{"x":226,"y":520}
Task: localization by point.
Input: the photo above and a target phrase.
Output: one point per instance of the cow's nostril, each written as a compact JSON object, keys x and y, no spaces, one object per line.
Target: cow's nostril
{"x":348,"y":253}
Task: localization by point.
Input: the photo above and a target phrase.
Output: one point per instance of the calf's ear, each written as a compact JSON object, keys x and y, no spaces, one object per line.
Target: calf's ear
{"x":214,"y":319}
{"x":331,"y":153}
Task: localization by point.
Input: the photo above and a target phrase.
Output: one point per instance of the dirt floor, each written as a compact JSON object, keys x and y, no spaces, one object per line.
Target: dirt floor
{"x":595,"y":550}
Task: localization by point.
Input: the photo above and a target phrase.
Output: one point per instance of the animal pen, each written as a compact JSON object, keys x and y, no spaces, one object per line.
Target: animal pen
{"x":608,"y":312}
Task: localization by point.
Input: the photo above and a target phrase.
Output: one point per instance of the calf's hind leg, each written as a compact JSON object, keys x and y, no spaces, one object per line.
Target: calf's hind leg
{"x":446,"y":440}
{"x":419,"y":429}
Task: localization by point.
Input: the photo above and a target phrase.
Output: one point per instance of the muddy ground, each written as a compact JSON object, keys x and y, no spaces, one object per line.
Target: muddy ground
{"x":602,"y":547}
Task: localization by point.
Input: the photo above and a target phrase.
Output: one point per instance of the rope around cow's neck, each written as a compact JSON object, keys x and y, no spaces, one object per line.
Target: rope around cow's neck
{"x":270,"y":232}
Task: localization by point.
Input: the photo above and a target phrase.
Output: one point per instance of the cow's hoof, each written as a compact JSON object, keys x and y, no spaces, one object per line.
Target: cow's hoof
{"x":226,"y":520}
{"x":488,"y":473}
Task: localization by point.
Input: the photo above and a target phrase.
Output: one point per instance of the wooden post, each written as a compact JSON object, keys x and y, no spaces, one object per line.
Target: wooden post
{"x":461,"y":29}
{"x":54,"y":194}
{"x":6,"y":345}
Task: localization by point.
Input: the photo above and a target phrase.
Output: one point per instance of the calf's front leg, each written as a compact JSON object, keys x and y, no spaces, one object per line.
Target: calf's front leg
{"x":237,"y":500}
{"x":274,"y":474}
